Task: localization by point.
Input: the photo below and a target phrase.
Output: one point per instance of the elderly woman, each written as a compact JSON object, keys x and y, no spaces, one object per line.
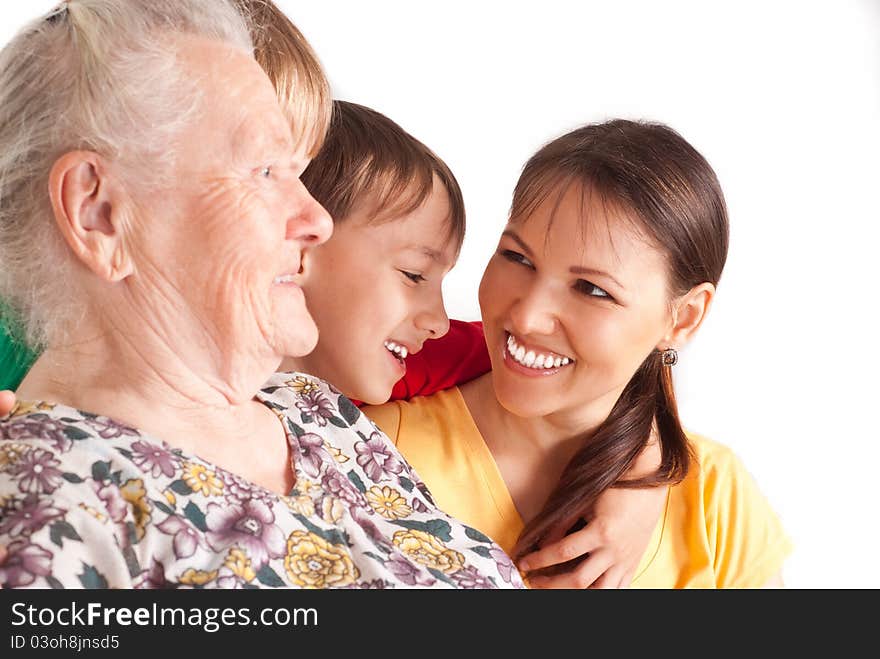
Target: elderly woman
{"x":153,"y":231}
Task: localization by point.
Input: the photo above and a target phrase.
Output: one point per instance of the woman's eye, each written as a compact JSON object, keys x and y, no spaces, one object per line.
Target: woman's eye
{"x":413,"y":276}
{"x":515,"y":257}
{"x":589,"y":288}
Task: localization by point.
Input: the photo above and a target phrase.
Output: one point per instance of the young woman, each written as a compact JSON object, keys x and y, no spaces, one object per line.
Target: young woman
{"x":617,"y":238}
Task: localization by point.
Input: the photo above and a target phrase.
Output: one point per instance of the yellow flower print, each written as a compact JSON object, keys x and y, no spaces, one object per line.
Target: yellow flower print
{"x":170,"y":498}
{"x":134,"y":493}
{"x":101,"y":517}
{"x":312,"y":562}
{"x":201,"y":479}
{"x":302,"y":385}
{"x":193,"y":577}
{"x":337,"y":453}
{"x":332,"y":509}
{"x":301,"y":504}
{"x":305,"y":485}
{"x":240,"y":564}
{"x":388,"y":502}
{"x":424,"y":548}
{"x":27,"y":407}
{"x":10,"y":453}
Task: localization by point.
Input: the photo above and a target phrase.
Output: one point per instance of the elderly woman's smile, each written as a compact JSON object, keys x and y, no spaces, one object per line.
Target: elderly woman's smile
{"x":240,"y":225}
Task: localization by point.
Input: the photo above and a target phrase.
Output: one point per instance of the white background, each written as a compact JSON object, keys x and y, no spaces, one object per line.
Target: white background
{"x":783,"y":98}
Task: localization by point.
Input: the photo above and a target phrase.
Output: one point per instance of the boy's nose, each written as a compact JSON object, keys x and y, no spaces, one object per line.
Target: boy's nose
{"x":434,"y":320}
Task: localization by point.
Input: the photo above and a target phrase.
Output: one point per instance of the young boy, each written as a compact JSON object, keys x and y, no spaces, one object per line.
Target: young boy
{"x":374,"y":288}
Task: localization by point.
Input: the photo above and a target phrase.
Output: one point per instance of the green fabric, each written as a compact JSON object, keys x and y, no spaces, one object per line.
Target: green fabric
{"x":15,"y":357}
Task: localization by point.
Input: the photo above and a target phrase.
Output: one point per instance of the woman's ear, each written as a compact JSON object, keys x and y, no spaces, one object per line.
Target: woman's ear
{"x":87,"y":205}
{"x":688,"y":313}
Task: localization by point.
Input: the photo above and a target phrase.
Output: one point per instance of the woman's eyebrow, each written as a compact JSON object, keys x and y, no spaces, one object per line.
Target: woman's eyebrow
{"x":519,"y":241}
{"x":580,"y":270}
{"x":575,"y":269}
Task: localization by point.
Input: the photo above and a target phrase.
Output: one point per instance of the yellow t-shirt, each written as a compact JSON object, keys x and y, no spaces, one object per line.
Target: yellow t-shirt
{"x":717,"y":530}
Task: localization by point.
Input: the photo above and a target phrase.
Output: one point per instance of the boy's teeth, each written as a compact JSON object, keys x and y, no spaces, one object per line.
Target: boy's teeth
{"x":531,"y":359}
{"x":400,"y":351}
{"x":283,"y":279}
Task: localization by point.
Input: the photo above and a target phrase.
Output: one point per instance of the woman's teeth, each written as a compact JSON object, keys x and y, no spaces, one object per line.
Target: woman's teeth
{"x":399,"y":351}
{"x":284,"y":279}
{"x":531,"y":359}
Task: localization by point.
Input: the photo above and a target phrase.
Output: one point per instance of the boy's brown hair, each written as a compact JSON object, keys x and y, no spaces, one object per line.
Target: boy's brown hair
{"x":369,"y":159}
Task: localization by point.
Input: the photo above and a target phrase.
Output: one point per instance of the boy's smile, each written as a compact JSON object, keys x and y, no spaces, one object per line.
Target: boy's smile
{"x":374,"y":290}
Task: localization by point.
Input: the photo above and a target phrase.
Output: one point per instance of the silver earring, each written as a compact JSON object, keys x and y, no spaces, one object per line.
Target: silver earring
{"x":669,"y":356}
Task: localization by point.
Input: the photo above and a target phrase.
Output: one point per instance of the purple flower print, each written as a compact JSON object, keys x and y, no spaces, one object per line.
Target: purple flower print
{"x":310,"y":449}
{"x":153,"y":577}
{"x":502,"y":560}
{"x":39,"y":425}
{"x":250,"y":526}
{"x":408,"y":572}
{"x":24,"y":563}
{"x":153,"y":459}
{"x":470,"y":577}
{"x":27,"y":515}
{"x":419,"y":506}
{"x":421,"y":487}
{"x":236,"y":489}
{"x":186,"y":538}
{"x":362,"y":517}
{"x":110,"y":429}
{"x":317,"y":405}
{"x":338,"y":485}
{"x":37,"y":471}
{"x":111,"y":497}
{"x":376,"y":458}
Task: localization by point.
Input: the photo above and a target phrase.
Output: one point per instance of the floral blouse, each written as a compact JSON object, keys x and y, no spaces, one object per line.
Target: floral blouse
{"x":87,"y":502}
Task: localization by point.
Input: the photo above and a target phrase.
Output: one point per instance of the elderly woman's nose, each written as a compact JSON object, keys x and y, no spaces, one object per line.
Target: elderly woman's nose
{"x":311,"y":224}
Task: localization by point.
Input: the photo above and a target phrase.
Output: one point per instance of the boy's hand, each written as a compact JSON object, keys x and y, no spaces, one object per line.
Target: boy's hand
{"x":613,"y":542}
{"x":7,"y":402}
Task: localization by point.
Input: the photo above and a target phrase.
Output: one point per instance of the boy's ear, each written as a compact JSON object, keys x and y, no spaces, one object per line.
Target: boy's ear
{"x":688,"y":313}
{"x":87,"y":204}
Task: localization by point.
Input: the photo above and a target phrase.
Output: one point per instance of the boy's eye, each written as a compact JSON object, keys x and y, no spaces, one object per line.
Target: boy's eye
{"x":413,"y":276}
{"x":265,"y":172}
{"x":589,"y":288}
{"x":515,"y":257}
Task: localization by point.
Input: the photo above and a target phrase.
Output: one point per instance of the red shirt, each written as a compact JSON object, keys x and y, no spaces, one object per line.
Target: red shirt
{"x":457,"y":357}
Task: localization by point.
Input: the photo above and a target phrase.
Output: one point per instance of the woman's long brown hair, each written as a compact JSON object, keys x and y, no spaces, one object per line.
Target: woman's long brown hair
{"x":672,"y":195}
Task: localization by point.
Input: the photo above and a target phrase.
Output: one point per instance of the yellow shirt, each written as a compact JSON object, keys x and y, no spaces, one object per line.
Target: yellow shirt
{"x":717,"y":530}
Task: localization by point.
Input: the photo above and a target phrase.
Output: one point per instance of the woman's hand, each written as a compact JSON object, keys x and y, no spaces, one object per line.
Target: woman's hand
{"x":611,"y":545}
{"x":7,"y":402}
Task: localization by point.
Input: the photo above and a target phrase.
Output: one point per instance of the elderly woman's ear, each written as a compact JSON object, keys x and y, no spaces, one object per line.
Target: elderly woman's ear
{"x":88,"y":205}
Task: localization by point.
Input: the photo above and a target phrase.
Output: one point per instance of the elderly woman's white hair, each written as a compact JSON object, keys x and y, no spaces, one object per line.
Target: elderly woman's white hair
{"x":98,"y":75}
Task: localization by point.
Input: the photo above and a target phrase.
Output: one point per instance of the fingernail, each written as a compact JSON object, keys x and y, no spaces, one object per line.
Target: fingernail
{"x":523,"y":566}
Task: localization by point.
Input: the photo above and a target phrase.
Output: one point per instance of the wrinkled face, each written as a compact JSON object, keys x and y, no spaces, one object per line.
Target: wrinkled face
{"x":228,"y":241}
{"x":375,"y":292}
{"x":571,"y":308}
